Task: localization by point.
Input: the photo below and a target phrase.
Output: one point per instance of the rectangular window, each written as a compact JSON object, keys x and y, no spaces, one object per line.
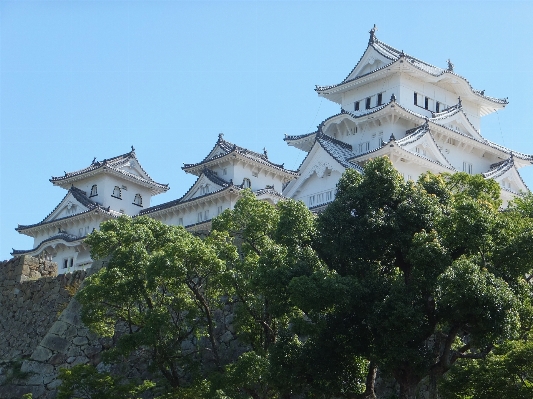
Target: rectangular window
{"x":426,"y":103}
{"x":320,"y":198}
{"x":71,"y":262}
{"x":356,"y":106}
{"x":225,"y":171}
{"x":180,"y":222}
{"x":367,"y":103}
{"x":311,"y":200}
{"x":328,"y":196}
{"x":380,"y":99}
{"x":219,"y":210}
{"x":416,"y":99}
{"x":467,"y":167}
{"x":364,"y":147}
{"x":437,"y":107}
{"x":206,"y":215}
{"x":65,"y":263}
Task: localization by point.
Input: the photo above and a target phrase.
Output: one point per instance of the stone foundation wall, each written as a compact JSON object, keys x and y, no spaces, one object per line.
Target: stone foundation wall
{"x":32,"y":296}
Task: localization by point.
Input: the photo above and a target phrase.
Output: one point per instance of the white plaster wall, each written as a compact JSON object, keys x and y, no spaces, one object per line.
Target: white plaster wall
{"x":318,"y":186}
{"x":409,"y":85}
{"x":385,"y":86}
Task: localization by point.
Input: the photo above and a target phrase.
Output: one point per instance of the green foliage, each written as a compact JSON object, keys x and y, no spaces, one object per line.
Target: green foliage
{"x":266,"y":249}
{"x":507,"y":372}
{"x":420,"y":274}
{"x":162,"y":284}
{"x":85,"y":382}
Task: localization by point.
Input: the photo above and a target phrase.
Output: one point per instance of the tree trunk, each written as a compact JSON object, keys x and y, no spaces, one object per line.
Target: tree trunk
{"x":370,"y":382}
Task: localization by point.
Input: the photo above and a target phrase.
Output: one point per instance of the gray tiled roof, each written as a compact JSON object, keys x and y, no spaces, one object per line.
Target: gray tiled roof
{"x":207,"y":173}
{"x":81,"y":197}
{"x":229,"y":148}
{"x":60,"y":236}
{"x":394,"y":55}
{"x":114,"y":164}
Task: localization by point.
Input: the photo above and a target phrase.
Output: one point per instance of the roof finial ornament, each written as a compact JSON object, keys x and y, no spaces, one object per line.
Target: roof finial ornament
{"x":94,"y":160}
{"x":426,"y":123}
{"x":402,"y":54}
{"x":132,"y":149}
{"x":482,"y":92}
{"x":450,"y":65}
{"x":265,"y":152}
{"x":392,"y":138}
{"x":372,"y":32}
{"x":220,"y":136}
{"x":393,"y":98}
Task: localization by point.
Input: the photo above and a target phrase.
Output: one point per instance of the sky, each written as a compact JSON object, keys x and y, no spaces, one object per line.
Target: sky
{"x":85,"y":79}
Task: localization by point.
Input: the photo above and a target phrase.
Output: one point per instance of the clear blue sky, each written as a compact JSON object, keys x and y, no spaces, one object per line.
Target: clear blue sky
{"x":85,"y":79}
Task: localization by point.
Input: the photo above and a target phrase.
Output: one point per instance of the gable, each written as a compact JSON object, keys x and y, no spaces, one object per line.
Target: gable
{"x":370,"y":61}
{"x":69,"y":206}
{"x":425,"y":147}
{"x":201,"y":187}
{"x":319,"y":169}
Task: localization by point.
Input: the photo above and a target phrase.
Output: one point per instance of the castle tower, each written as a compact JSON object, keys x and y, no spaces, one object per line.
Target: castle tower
{"x":103,"y":190}
{"x":222,"y":175}
{"x":424,"y":118}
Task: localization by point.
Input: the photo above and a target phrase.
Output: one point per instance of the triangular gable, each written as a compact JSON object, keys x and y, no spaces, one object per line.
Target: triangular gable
{"x":395,"y":152}
{"x":72,"y":204}
{"x":318,"y":163}
{"x":204,"y":185}
{"x":133,"y":167}
{"x":458,"y":121}
{"x":370,"y":61}
{"x":507,"y":175}
{"x":423,"y":144}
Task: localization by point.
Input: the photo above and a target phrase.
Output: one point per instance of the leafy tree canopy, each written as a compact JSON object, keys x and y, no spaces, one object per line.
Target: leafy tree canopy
{"x":419,"y":274}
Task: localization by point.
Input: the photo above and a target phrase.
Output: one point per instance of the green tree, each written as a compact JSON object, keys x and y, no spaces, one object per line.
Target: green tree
{"x":85,"y":382}
{"x":161,"y":285}
{"x":507,"y":372}
{"x":265,"y":247}
{"x":420,"y":274}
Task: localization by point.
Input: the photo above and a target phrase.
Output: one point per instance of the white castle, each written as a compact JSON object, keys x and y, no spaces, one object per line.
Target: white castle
{"x":423,"y":118}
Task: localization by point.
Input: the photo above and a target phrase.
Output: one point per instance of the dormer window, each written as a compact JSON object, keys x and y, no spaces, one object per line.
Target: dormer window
{"x":94,"y":191}
{"x":117,"y":193}
{"x":246,"y":183}
{"x":138,"y":200}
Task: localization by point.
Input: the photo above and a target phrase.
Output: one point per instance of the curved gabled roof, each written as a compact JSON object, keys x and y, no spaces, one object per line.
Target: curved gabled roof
{"x":81,"y":197}
{"x":394,"y":55}
{"x":224,"y":148}
{"x":61,"y":236}
{"x":116,"y":165}
{"x":185,"y":197}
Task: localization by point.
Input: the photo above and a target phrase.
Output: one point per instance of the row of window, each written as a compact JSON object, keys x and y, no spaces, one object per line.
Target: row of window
{"x":117,"y":193}
{"x":320,"y":198}
{"x":428,"y":103}
{"x":370,"y":102}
